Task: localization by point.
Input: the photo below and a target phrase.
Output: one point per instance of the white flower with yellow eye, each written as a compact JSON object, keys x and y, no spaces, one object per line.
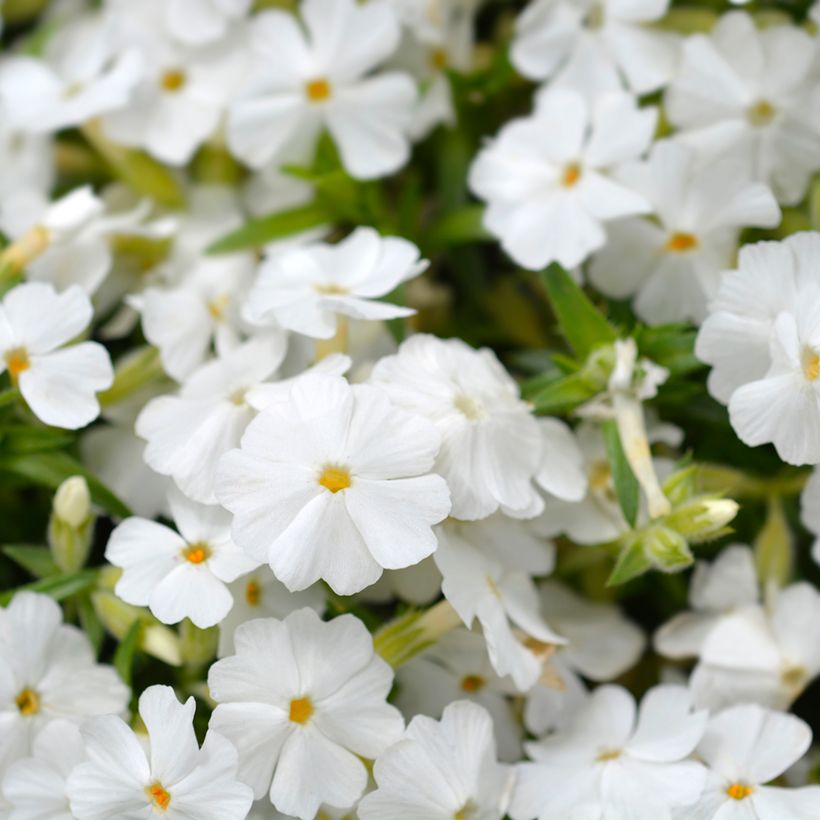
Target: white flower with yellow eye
{"x":59,"y":383}
{"x":189,"y":432}
{"x":550,"y":179}
{"x":487,"y":568}
{"x":317,"y":72}
{"x":596,"y":45}
{"x":441,"y":770}
{"x":47,"y":671}
{"x":746,"y":747}
{"x":753,"y":92}
{"x":615,"y":761}
{"x":169,"y":776}
{"x":492,"y":447}
{"x":673,"y":266}
{"x":303,"y":701}
{"x":334,"y":482}
{"x":179,"y":575}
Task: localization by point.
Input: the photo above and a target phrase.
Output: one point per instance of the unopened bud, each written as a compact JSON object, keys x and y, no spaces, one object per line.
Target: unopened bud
{"x":71,"y":524}
{"x":666,"y":549}
{"x":72,"y":501}
{"x":703,"y":518}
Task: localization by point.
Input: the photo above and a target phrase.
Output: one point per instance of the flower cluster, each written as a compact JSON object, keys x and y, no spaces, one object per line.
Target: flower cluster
{"x":359,"y":451}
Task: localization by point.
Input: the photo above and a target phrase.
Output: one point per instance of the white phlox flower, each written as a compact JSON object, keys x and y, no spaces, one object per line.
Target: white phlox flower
{"x":47,"y":671}
{"x":302,"y":700}
{"x":715,"y":591}
{"x":595,"y":44}
{"x":198,"y":22}
{"x":318,"y":72}
{"x":601,"y":645}
{"x":354,"y":493}
{"x":674,"y":268}
{"x":458,"y":667}
{"x":752,"y":90}
{"x":810,"y":511}
{"x":766,"y":654}
{"x":485,"y":580}
{"x":491,"y":444}
{"x":550,"y":179}
{"x":179,"y":575}
{"x":306,"y":289}
{"x":172,"y":777}
{"x":745,"y":747}
{"x":58,"y":382}
{"x":188,"y":433}
{"x":441,"y":770}
{"x":419,"y":584}
{"x":615,"y":761}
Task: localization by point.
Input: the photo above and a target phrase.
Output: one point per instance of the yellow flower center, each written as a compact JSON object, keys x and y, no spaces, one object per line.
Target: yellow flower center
{"x":794,"y":677}
{"x":739,"y":791}
{"x":217,"y":305}
{"x":761,"y":113}
{"x":28,"y":702}
{"x":330,"y":289}
{"x":438,"y":59}
{"x":605,"y":755}
{"x":473,"y":683}
{"x":197,"y":553}
{"x":681,"y":243}
{"x":300,"y":710}
{"x":318,"y":90}
{"x":17,"y":361}
{"x":335,"y":479}
{"x":158,"y":796}
{"x":472,"y":408}
{"x":571,"y":175}
{"x":811,"y":364}
{"x":253,"y":592}
{"x":173,"y":80}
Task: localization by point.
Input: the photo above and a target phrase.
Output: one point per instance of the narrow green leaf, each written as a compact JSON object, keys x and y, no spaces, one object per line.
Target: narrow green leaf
{"x":583,"y":326}
{"x":631,"y":563}
{"x":124,"y":654}
{"x":20,"y":438}
{"x":562,"y":395}
{"x":9,"y":395}
{"x":51,"y":469}
{"x":458,"y":228}
{"x":57,"y":587}
{"x":626,"y":485}
{"x":90,"y":621}
{"x":35,"y":560}
{"x":275,"y":226}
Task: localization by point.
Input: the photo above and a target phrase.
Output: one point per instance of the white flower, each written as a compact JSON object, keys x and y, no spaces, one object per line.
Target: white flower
{"x":47,"y":671}
{"x":595,"y":44}
{"x":734,"y":339}
{"x":179,"y":575}
{"x":305,"y":289}
{"x":716,"y":590}
{"x":456,"y":667}
{"x":83,"y":75}
{"x":36,"y":786}
{"x":58,"y":383}
{"x":197,"y":22}
{"x":601,"y":645}
{"x":260,"y":595}
{"x":183,"y":93}
{"x":491,"y":445}
{"x":752,"y":91}
{"x":610,"y":763}
{"x":441,"y":770}
{"x":783,"y":407}
{"x":810,"y":511}
{"x":419,"y":585}
{"x":301,"y":699}
{"x":333,"y":483}
{"x":487,"y":568}
{"x":548,"y":178}
{"x":745,"y":747}
{"x":173,"y":777}
{"x":674,"y":268}
{"x":766,"y":655}
{"x":188,"y":433}
{"x":320,"y":76}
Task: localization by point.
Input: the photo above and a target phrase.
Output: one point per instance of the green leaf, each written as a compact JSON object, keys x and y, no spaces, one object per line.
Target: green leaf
{"x":458,"y":228}
{"x":562,"y":395}
{"x":90,"y":621}
{"x":57,"y":587}
{"x":9,"y":396}
{"x":259,"y":232}
{"x":626,"y":485}
{"x":631,"y":563}
{"x":20,"y":438}
{"x":583,"y":326}
{"x":667,"y":549}
{"x":36,"y":560}
{"x":774,"y":547}
{"x":124,"y":654}
{"x":51,"y":469}
{"x":671,"y":346}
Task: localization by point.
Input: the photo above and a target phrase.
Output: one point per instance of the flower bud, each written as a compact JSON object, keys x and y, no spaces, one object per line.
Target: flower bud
{"x":72,"y":501}
{"x":71,"y":524}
